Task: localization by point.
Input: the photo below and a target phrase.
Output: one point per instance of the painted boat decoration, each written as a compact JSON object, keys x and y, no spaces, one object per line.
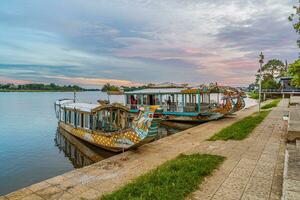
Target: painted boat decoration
{"x":108,"y":125}
{"x":197,"y":104}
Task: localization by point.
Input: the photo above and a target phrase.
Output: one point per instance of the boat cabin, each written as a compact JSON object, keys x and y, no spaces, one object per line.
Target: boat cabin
{"x":96,"y":117}
{"x":172,"y":100}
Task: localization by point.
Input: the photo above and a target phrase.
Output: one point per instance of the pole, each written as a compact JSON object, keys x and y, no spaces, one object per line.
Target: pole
{"x":259,"y":95}
{"x":261,"y":61}
{"x":74,"y":96}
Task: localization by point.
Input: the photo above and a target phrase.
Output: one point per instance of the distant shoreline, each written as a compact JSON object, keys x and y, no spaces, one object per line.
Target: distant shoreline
{"x":49,"y":91}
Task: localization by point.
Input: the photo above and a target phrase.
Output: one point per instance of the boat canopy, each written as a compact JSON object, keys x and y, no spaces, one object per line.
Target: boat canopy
{"x":83,"y":107}
{"x":63,"y":101}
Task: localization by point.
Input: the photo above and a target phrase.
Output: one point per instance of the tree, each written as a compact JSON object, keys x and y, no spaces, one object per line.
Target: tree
{"x":295,"y":19}
{"x":294,"y":70}
{"x":108,"y":87}
{"x":274,"y":67}
{"x":270,"y":72}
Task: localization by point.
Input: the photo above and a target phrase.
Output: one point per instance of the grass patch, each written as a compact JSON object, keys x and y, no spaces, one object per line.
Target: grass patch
{"x":253,"y":95}
{"x":240,"y":129}
{"x":272,"y":104}
{"x":173,"y":180}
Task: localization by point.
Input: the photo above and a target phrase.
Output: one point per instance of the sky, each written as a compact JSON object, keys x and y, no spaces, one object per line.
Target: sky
{"x":131,"y":42}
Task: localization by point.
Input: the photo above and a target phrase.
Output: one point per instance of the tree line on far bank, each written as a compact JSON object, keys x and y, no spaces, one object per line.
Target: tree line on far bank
{"x":40,"y":87}
{"x":108,"y":87}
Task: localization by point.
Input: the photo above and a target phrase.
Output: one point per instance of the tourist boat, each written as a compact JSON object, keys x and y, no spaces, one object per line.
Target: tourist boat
{"x":108,"y":126}
{"x":198,"y":104}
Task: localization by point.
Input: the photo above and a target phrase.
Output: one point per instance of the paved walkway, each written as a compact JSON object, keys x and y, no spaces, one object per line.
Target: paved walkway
{"x":253,"y":166}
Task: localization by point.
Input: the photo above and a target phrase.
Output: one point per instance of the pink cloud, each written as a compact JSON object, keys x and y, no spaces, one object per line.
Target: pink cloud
{"x":94,"y":81}
{"x":4,"y":80}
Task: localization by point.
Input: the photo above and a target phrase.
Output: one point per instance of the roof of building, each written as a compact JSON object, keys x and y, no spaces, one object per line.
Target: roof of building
{"x":157,"y":91}
{"x":286,"y":78}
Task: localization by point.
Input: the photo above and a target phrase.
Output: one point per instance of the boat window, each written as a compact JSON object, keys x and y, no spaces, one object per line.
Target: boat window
{"x":109,"y":120}
{"x":91,"y":122}
{"x":61,"y":114}
{"x":128,"y":99}
{"x":72,"y":117}
{"x":139,"y":99}
{"x":86,"y":121}
{"x":157,"y":100}
{"x":81,"y":120}
{"x":123,"y":120}
{"x":144,"y":99}
{"x":65,"y":116}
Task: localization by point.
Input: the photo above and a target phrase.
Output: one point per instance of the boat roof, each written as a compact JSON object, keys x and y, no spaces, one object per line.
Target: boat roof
{"x":63,"y":101}
{"x":89,"y":107}
{"x":84,"y":107}
{"x":157,"y":91}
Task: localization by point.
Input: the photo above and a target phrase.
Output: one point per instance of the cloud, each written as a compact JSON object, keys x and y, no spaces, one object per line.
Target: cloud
{"x":92,"y":81}
{"x":143,"y":40}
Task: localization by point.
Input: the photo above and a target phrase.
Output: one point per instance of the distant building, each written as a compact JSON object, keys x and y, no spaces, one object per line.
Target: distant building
{"x":286,"y":83}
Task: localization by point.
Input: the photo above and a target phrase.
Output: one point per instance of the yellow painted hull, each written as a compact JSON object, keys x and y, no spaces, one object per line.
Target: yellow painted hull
{"x":116,"y":142}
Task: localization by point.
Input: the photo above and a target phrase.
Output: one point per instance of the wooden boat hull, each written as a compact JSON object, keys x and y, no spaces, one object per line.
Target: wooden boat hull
{"x":123,"y":140}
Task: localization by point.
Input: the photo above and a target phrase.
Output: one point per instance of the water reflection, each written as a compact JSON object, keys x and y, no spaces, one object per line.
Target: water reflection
{"x":79,"y":152}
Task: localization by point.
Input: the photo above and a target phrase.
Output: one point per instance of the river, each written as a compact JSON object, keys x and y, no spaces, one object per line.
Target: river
{"x":31,"y":148}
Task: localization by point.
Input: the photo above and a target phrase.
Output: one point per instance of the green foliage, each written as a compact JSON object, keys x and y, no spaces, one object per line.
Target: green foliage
{"x":294,"y":70}
{"x":274,"y":103}
{"x":270,"y":71}
{"x":295,"y":19}
{"x":128,"y":89}
{"x":274,"y":68}
{"x":269,"y":82}
{"x":174,"y":180}
{"x":109,"y":87}
{"x":253,"y":95}
{"x":39,"y":87}
{"x":240,"y":129}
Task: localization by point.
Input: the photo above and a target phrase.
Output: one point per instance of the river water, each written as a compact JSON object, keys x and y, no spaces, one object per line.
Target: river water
{"x":31,"y":147}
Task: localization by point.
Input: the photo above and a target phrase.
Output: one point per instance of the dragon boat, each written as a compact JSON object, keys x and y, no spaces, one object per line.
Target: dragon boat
{"x":197,"y":104}
{"x":108,"y":126}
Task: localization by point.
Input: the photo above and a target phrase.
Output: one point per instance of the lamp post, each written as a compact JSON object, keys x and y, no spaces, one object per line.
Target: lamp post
{"x":261,"y":61}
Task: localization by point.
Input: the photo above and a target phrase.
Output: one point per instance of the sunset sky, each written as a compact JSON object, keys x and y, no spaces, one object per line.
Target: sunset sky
{"x":128,"y":42}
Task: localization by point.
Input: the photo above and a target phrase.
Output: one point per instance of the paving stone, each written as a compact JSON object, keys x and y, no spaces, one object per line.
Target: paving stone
{"x":32,"y":197}
{"x":232,"y":188}
{"x":51,"y":192}
{"x":19,"y":194}
{"x":258,"y":188}
{"x":90,"y":194}
{"x":56,"y":180}
{"x":39,"y":186}
{"x":292,"y":185}
{"x":78,"y":189}
{"x":65,"y":196}
{"x":291,"y":195}
{"x":247,"y":163}
{"x":243,"y":173}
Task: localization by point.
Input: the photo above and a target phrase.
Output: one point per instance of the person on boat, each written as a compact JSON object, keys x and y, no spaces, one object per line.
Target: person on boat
{"x":133,"y":102}
{"x":169,"y":103}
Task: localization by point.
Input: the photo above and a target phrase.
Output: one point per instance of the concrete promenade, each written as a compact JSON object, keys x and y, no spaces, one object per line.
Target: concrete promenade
{"x":253,"y":168}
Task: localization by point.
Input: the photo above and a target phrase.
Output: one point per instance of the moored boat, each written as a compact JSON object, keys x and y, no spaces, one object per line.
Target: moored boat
{"x":197,"y":104}
{"x":108,"y":125}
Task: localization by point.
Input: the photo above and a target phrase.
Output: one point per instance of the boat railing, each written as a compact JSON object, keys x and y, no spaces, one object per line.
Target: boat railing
{"x":177,"y":107}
